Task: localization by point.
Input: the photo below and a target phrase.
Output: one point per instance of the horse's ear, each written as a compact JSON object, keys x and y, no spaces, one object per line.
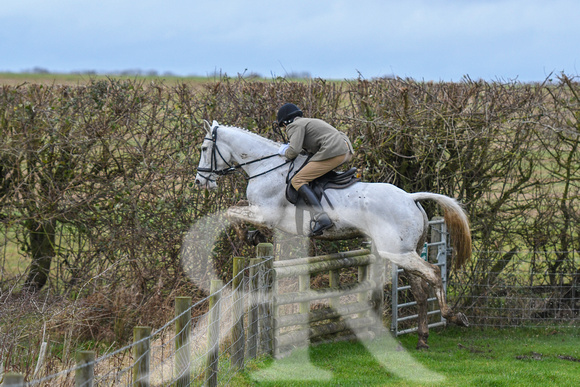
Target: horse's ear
{"x":215,"y":124}
{"x":207,"y":127}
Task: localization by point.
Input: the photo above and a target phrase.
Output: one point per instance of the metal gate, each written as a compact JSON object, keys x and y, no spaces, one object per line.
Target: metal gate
{"x":435,"y":252}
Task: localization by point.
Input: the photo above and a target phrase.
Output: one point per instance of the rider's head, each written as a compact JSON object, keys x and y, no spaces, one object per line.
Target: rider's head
{"x":287,"y":113}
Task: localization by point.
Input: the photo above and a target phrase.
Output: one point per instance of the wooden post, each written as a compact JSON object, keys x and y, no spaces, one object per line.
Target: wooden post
{"x":213,"y":334}
{"x":333,"y":283}
{"x":363,"y":298}
{"x":304,"y":308}
{"x":182,"y":341}
{"x":275,"y":316}
{"x":13,"y":380}
{"x":265,"y":252}
{"x":84,"y":376}
{"x":238,"y":336}
{"x":253,"y":310}
{"x":141,"y":356}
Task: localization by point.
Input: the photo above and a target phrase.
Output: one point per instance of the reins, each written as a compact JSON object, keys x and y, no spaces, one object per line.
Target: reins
{"x":231,"y":168}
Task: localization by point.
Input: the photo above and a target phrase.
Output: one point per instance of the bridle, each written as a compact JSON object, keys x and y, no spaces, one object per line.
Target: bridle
{"x":230,"y":168}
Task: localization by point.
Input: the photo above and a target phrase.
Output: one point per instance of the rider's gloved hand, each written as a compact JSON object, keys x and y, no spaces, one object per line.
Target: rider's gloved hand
{"x":282,"y":150}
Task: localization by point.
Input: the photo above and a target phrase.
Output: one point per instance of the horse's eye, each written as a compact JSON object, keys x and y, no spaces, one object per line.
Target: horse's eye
{"x":204,"y":148}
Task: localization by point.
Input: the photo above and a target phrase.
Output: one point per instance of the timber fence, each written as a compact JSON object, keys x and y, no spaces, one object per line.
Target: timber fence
{"x":340,"y":311}
{"x":247,"y":317}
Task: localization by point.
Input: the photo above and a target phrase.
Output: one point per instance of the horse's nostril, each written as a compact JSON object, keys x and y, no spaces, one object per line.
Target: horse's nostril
{"x":197,"y":182}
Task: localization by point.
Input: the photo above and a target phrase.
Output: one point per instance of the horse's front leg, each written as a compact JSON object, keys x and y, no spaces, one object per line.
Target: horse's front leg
{"x":245,"y":213}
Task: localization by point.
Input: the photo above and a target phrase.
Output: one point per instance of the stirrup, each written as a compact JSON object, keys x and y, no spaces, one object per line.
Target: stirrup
{"x":319,"y":223}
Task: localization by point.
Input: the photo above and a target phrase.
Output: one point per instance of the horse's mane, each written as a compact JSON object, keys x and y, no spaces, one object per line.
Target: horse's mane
{"x":255,"y":135}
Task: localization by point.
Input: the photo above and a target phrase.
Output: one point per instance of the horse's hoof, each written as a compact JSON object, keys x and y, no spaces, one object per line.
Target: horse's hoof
{"x":461,"y":320}
{"x":422,"y":345}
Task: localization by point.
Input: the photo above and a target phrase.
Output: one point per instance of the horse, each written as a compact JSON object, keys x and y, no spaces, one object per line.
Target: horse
{"x":392,"y":218}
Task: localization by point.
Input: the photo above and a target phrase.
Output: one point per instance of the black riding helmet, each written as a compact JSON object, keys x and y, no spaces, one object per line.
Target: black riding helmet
{"x":287,"y":113}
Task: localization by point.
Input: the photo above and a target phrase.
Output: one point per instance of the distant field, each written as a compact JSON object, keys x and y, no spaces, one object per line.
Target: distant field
{"x":14,"y":79}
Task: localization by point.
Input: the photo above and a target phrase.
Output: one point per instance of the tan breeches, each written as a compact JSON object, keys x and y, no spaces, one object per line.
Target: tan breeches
{"x":315,"y":169}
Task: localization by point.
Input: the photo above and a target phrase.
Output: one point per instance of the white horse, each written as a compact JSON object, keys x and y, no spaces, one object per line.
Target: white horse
{"x":391,"y":217}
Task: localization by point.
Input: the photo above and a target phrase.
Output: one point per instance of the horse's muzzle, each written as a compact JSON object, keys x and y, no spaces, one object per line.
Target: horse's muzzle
{"x":202,"y":182}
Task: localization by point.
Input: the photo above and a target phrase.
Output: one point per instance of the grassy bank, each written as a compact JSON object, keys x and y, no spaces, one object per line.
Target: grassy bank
{"x":467,"y":357}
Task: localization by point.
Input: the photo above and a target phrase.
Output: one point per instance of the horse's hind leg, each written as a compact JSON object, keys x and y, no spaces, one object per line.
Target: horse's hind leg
{"x":413,"y":264}
{"x":420,"y":290}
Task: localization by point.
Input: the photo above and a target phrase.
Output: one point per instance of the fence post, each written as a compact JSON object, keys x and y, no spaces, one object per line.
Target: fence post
{"x":376,"y":273}
{"x":141,"y":355}
{"x":238,"y":337}
{"x":363,"y":298}
{"x":304,"y":307}
{"x":265,"y":252}
{"x":253,"y":310}
{"x":13,"y":380}
{"x":275,"y":316}
{"x":333,"y":282}
{"x":213,"y":334}
{"x":182,"y":341}
{"x":84,"y":376}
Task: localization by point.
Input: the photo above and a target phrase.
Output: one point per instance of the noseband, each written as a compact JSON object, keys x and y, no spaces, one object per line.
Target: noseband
{"x":230,"y":168}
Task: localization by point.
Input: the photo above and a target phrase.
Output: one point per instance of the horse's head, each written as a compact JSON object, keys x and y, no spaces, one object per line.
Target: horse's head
{"x":214,"y":160}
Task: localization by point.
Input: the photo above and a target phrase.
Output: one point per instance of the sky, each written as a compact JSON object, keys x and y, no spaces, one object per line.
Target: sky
{"x":429,"y":40}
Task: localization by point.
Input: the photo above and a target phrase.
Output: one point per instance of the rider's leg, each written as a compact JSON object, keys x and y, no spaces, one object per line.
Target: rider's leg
{"x":321,"y":219}
{"x":315,"y":169}
{"x":309,"y":172}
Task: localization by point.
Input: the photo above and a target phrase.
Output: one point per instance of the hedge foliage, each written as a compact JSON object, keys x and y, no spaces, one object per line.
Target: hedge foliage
{"x":97,"y":180}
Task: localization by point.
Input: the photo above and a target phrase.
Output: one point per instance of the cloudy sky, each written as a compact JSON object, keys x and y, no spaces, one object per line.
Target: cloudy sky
{"x":523,"y":40}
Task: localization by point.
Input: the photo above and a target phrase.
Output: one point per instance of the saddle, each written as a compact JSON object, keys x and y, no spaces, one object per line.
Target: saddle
{"x":330,"y":180}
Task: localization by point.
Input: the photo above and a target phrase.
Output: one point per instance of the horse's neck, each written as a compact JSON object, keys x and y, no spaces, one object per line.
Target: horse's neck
{"x":247,"y":147}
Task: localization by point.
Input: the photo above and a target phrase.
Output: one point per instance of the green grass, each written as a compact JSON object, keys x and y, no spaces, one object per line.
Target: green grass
{"x":12,"y":263}
{"x":74,"y":79}
{"x":467,"y":357}
{"x":80,"y":79}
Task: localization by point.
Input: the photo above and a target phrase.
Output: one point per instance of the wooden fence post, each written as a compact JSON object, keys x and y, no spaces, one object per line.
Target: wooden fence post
{"x":141,"y":356}
{"x":213,"y":334}
{"x":182,"y":341}
{"x":253,"y":310}
{"x":265,"y":252}
{"x":238,"y":336}
{"x":13,"y":380}
{"x":304,"y":308}
{"x":363,"y":298}
{"x":84,"y":376}
{"x":275,"y":316}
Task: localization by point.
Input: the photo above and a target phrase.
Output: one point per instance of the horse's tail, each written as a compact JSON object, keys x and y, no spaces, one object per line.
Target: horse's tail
{"x":457,"y":224}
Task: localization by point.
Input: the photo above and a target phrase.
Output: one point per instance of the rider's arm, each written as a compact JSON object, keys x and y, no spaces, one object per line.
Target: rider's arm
{"x":296,"y":138}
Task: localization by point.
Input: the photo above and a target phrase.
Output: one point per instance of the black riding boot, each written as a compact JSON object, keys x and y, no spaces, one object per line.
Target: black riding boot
{"x":320,"y":218}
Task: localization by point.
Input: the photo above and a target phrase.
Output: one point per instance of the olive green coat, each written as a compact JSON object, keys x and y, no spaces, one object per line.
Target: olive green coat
{"x":317,"y":138}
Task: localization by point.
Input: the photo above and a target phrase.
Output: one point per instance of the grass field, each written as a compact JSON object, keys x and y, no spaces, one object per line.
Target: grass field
{"x":466,"y":357}
{"x":14,"y":79}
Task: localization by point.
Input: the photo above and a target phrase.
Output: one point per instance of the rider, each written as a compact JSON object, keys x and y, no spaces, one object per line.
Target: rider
{"x":328,"y":147}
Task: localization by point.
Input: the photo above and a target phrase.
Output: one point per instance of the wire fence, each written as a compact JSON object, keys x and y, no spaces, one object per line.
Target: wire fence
{"x":165,"y":360}
{"x":518,"y":290}
{"x":526,"y":292}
